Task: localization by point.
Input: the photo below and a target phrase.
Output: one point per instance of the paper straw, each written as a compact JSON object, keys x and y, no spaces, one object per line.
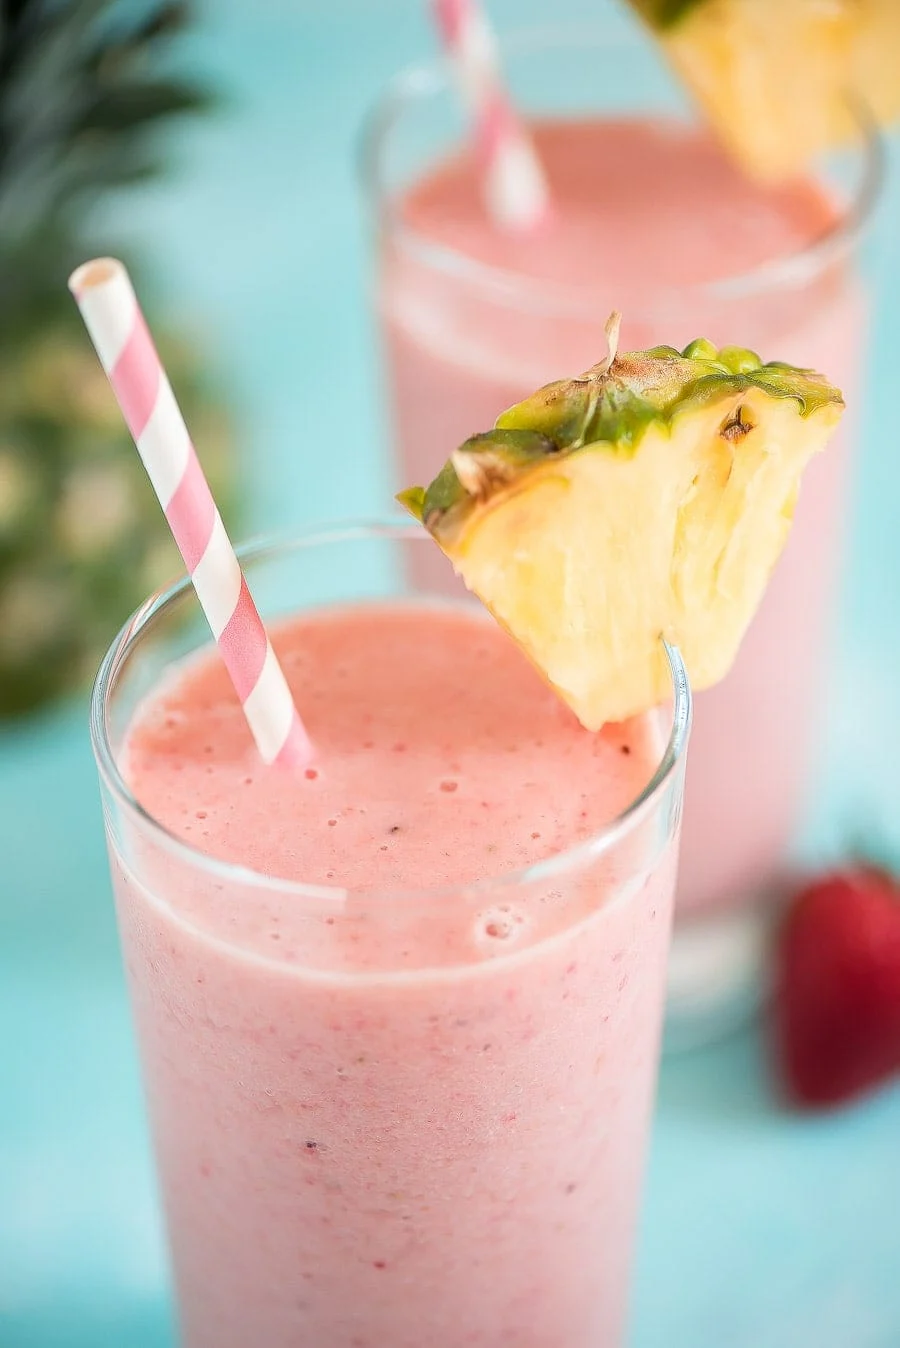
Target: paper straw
{"x":106,"y":298}
{"x":515,"y":188}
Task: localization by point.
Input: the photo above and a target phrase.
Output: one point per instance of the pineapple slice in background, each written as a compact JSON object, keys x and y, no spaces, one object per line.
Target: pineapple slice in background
{"x":648,"y":498}
{"x":783,"y":80}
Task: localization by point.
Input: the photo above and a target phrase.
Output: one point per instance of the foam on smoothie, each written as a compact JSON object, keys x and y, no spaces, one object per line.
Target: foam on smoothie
{"x":442,"y":757}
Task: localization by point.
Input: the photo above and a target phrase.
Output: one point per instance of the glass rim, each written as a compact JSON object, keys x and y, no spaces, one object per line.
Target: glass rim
{"x":264,"y":547}
{"x":427,"y":78}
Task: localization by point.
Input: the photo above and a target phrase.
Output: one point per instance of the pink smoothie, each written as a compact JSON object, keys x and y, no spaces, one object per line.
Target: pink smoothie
{"x":648,"y":215}
{"x":386,"y":1117}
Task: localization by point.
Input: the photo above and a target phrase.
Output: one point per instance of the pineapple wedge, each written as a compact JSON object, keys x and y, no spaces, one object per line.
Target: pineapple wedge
{"x":778,"y":78}
{"x":648,"y":498}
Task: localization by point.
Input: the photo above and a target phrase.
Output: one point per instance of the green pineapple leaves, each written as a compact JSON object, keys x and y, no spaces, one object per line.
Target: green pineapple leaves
{"x":83,"y":90}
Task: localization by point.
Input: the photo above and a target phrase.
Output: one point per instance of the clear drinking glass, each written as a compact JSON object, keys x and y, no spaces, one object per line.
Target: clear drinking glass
{"x":359,"y":1144}
{"x":463,"y":339}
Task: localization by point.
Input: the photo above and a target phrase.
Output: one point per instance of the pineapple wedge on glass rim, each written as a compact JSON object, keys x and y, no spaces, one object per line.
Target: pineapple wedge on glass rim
{"x":783,"y":80}
{"x":648,"y":498}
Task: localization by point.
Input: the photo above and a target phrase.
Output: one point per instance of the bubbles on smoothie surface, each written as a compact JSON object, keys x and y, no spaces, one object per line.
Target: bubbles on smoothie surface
{"x":438,"y":761}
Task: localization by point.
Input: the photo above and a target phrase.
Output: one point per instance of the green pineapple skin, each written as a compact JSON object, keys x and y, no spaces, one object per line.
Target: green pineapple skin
{"x":665,"y":14}
{"x":615,"y":406}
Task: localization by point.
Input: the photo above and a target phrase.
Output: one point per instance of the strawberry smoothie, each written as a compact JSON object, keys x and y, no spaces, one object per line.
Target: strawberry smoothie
{"x":395,"y":1102}
{"x":653,"y":220}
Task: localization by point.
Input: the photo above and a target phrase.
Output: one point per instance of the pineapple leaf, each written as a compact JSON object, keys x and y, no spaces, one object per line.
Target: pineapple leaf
{"x":80,"y":96}
{"x":11,"y":11}
{"x":162,"y":22}
{"x":141,"y":101}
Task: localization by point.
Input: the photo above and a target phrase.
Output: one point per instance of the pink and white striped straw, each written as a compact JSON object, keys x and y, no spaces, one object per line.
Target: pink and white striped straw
{"x":109,"y":307}
{"x":515,"y":188}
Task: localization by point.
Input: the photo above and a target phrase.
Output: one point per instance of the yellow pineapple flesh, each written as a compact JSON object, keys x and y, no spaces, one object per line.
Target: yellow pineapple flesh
{"x":646,"y":499}
{"x":783,"y":80}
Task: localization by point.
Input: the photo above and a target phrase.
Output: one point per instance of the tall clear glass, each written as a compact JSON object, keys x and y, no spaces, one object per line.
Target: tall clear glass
{"x":464,"y":338}
{"x":390,"y":1128}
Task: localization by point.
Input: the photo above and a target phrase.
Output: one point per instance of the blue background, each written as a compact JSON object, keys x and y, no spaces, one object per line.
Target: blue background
{"x":762,"y":1229}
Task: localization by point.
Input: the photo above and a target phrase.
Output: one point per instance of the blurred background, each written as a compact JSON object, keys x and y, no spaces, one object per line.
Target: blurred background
{"x":225,"y":175}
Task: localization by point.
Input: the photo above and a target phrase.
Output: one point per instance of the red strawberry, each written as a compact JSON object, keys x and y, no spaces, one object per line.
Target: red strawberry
{"x":837,"y":1013}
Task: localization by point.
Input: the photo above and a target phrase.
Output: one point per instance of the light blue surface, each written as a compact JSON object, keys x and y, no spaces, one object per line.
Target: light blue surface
{"x":761,"y":1230}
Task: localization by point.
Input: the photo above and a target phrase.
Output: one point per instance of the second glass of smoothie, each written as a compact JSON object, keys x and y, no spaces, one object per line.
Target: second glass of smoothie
{"x":652,"y":219}
{"x":399,"y":1012}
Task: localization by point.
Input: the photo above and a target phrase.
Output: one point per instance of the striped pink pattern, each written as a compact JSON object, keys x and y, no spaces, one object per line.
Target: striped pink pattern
{"x":113,"y":318}
{"x":515,"y":188}
{"x":191,"y":511}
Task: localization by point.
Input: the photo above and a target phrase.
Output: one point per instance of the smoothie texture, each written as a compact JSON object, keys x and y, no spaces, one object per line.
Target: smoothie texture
{"x":406,"y":1104}
{"x":650,"y":217}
